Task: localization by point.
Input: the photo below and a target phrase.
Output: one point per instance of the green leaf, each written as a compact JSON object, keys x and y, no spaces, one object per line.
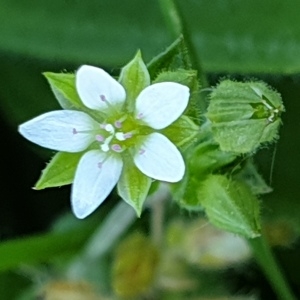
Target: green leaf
{"x":253,"y":179}
{"x":133,"y":185}
{"x":230,"y":205}
{"x":64,"y":89}
{"x":182,"y":132}
{"x":207,"y":158}
{"x":201,"y":161}
{"x":134,"y":77}
{"x":60,"y":171}
{"x":42,"y":248}
{"x":254,"y":37}
{"x":173,"y":58}
{"x":185,"y":192}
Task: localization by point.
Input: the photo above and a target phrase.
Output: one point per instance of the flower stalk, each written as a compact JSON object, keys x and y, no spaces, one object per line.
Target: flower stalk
{"x":270,"y":267}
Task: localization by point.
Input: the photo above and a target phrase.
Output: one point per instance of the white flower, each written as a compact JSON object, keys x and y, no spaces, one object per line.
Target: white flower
{"x":105,"y":141}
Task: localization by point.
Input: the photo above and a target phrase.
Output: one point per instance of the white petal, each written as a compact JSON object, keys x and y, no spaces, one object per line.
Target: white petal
{"x":96,"y":175}
{"x":97,"y":89}
{"x":62,"y":130}
{"x":161,"y":104}
{"x":159,"y":158}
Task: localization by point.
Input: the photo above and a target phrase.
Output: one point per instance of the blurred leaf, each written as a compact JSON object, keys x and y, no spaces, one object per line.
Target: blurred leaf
{"x":42,"y":248}
{"x":230,"y":36}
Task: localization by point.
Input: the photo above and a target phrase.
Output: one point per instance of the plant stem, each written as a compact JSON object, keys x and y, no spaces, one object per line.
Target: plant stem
{"x":177,"y":26}
{"x":271,"y":269}
{"x":157,"y":204}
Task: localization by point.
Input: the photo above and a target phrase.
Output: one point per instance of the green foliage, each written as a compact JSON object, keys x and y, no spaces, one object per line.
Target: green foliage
{"x":244,"y":115}
{"x":134,"y":78}
{"x":43,"y":248}
{"x":133,"y":186}
{"x":230,"y":205}
{"x":60,"y":170}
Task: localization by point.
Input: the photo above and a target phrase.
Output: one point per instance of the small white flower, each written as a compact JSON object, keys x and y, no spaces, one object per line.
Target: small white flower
{"x":100,"y":167}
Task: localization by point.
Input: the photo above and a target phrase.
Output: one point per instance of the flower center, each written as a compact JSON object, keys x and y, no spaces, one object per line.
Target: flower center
{"x":116,"y":134}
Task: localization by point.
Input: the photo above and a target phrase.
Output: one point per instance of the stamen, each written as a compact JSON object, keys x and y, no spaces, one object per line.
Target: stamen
{"x":120,"y":136}
{"x":116,"y":148}
{"x":99,"y":138}
{"x":142,"y":151}
{"x":103,"y":98}
{"x":104,"y":147}
{"x":140,"y":116}
{"x":118,"y":124}
{"x":75,"y":131}
{"x":109,"y":128}
{"x":128,"y":135}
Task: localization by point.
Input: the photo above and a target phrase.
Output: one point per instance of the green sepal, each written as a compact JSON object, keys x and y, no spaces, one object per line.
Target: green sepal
{"x":208,"y":158}
{"x":244,"y":115}
{"x":134,"y":78}
{"x":230,"y":205}
{"x":201,"y":161}
{"x":249,"y":175}
{"x":59,"y":171}
{"x":182,"y":132}
{"x":133,"y":185}
{"x":190,"y":79}
{"x":244,"y":136}
{"x":134,"y":266}
{"x":64,"y":88}
{"x":184,"y":193}
{"x":174,"y":57}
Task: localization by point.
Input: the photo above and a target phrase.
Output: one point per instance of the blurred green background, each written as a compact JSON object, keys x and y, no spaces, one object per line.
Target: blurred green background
{"x":232,"y":38}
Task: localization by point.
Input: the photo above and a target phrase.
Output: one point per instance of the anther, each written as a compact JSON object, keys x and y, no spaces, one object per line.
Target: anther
{"x":99,"y":138}
{"x":75,"y":131}
{"x":142,"y":151}
{"x":116,"y":148}
{"x":103,"y":98}
{"x":100,"y":164}
{"x":118,"y":124}
{"x":140,"y":116}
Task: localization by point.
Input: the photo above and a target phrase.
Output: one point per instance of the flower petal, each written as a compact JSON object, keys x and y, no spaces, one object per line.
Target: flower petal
{"x":97,"y":89}
{"x":61,"y":130}
{"x":159,"y":158}
{"x":96,"y":175}
{"x":161,"y":104}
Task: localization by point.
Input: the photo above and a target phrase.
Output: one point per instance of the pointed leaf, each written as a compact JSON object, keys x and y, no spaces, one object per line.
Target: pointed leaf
{"x":133,"y":185}
{"x":174,"y":57}
{"x":230,"y":205}
{"x":63,"y":87}
{"x":60,"y":170}
{"x":134,"y":78}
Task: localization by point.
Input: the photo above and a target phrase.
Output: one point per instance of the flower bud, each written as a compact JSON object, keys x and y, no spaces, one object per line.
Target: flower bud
{"x":244,"y":115}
